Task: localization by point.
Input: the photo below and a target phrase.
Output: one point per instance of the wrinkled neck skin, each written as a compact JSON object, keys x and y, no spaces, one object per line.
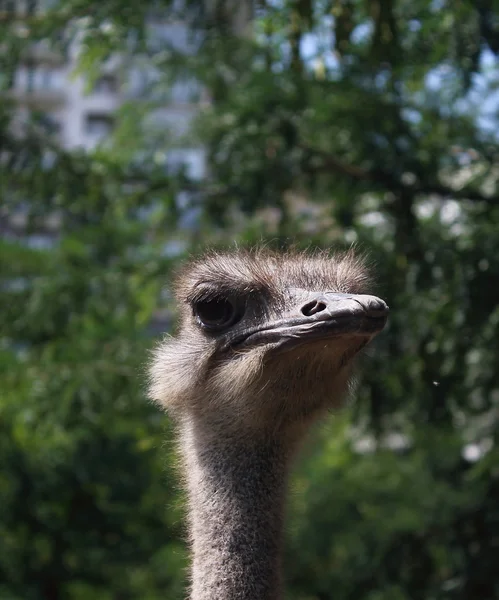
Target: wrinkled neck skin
{"x":236,"y":488}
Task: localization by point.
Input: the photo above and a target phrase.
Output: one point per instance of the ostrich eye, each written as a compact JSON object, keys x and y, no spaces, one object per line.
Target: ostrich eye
{"x":216,"y":314}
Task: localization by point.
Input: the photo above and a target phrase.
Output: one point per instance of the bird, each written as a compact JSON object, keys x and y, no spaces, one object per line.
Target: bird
{"x":265,"y":345}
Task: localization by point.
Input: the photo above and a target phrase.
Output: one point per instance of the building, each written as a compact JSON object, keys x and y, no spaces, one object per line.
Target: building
{"x":81,"y":114}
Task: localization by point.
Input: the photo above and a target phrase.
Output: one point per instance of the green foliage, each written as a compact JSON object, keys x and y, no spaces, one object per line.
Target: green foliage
{"x":332,"y":123}
{"x":87,"y":499}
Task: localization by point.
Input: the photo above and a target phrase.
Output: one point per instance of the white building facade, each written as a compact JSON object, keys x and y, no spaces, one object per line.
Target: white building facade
{"x":84,"y":116}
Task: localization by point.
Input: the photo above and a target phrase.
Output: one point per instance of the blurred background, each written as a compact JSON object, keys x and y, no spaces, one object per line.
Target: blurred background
{"x":135,"y":132}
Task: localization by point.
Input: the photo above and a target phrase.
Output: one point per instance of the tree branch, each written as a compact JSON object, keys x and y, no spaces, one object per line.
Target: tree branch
{"x":329,"y":162}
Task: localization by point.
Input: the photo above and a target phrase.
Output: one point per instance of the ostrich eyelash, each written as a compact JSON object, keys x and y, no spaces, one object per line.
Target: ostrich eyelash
{"x":204,"y":295}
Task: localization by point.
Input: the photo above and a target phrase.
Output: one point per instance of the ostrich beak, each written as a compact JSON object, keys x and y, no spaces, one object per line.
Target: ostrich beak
{"x":322,"y":315}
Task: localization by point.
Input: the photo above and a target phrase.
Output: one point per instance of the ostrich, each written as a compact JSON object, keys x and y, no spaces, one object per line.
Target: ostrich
{"x":265,"y":346}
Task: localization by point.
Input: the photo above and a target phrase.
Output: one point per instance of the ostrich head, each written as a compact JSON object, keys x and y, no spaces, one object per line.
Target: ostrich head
{"x":266,"y":341}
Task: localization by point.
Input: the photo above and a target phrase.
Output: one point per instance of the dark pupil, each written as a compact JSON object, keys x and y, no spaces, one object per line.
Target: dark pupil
{"x":215,"y":313}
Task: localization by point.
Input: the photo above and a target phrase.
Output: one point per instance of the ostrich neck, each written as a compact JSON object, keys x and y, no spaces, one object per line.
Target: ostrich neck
{"x":236,"y":494}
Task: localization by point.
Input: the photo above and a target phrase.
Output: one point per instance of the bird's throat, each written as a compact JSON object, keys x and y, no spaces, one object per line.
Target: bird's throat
{"x":236,"y":494}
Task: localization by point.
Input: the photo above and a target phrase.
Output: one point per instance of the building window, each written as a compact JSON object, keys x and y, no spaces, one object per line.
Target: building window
{"x":49,"y":124}
{"x":98,"y":126}
{"x":107,"y":84}
{"x":46,"y":79}
{"x":9,"y":6}
{"x":31,"y":7}
{"x":17,"y":7}
{"x":30,"y":79}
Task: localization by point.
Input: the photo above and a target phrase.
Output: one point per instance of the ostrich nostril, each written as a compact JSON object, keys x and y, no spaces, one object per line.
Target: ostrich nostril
{"x":311,"y":308}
